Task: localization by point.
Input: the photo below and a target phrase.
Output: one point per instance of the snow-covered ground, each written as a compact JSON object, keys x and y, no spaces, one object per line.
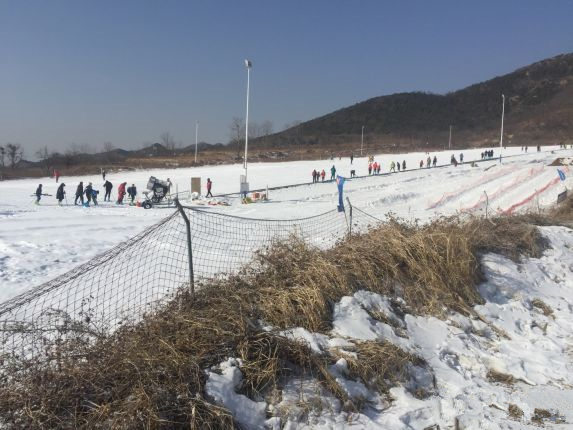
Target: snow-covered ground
{"x":38,"y":243}
{"x":513,"y":337}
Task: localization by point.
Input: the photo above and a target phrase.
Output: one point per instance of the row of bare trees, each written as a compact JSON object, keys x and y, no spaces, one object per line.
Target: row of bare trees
{"x":237,"y":131}
{"x":10,"y":154}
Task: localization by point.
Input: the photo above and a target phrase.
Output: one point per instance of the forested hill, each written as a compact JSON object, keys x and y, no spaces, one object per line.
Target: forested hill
{"x":539,"y":109}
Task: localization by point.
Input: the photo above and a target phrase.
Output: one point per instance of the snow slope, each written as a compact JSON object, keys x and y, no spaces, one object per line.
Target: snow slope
{"x":38,"y":243}
{"x":513,"y":337}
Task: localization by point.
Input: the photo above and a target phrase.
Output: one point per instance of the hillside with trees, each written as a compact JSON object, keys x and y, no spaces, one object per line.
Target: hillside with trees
{"x":538,"y":109}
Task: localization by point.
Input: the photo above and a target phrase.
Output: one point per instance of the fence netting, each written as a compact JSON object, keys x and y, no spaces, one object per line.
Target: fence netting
{"x":136,"y":277}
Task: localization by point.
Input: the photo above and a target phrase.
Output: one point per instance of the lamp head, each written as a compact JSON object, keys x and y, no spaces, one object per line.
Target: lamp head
{"x":248,"y":64}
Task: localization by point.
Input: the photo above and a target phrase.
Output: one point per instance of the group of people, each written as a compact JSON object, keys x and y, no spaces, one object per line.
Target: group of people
{"x":318,"y":176}
{"x":91,"y":194}
{"x":397,"y":165}
{"x":429,"y":162}
{"x":487,"y":154}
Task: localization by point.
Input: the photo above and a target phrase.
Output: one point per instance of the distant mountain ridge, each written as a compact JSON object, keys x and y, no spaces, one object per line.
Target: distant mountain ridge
{"x":538,"y":109}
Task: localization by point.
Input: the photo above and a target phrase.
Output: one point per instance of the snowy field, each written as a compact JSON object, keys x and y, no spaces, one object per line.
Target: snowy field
{"x":37,"y":243}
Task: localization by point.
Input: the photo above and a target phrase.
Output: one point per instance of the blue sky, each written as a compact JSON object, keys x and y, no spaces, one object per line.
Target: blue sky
{"x":126,"y":71}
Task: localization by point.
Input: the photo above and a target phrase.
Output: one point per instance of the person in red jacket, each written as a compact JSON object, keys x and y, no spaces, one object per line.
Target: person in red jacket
{"x":121,"y":193}
{"x":209,"y":185}
{"x":322,"y":175}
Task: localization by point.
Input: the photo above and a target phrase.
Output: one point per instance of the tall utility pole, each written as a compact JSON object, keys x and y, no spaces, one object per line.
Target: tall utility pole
{"x":450,"y":139}
{"x":362,"y":141}
{"x":248,"y":65}
{"x":196,"y":134}
{"x":501,"y":135}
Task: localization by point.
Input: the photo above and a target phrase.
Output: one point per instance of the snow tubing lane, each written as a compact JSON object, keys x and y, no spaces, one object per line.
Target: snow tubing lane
{"x":532,"y":173}
{"x":526,"y":200}
{"x":446,"y":197}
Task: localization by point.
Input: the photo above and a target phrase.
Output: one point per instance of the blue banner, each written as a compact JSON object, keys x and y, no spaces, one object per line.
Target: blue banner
{"x":561,"y":174}
{"x":340,"y":184}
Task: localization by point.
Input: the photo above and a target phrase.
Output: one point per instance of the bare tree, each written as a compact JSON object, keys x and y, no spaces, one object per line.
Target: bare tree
{"x":168,"y":141}
{"x":266,"y":128}
{"x":14,"y":152}
{"x":44,"y":156}
{"x":237,"y":133}
{"x":108,"y":147}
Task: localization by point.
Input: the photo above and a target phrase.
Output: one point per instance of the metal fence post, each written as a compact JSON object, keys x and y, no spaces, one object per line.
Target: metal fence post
{"x":350,"y":216}
{"x":189,"y":247}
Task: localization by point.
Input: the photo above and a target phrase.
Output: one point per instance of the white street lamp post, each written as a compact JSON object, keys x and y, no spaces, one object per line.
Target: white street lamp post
{"x":248,"y":65}
{"x":450,"y":139}
{"x":501,"y":134}
{"x":362,"y":141}
{"x":196,"y":134}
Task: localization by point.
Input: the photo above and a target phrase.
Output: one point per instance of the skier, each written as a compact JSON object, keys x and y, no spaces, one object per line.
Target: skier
{"x":351,"y":158}
{"x":435,"y":161}
{"x":38,"y":194}
{"x":322,"y":175}
{"x":314,"y":176}
{"x":332,"y":173}
{"x":103,"y":174}
{"x":398,"y":164}
{"x":88,"y":192}
{"x":403,"y":164}
{"x":369,"y":168}
{"x":428,"y":162}
{"x":209,"y":185}
{"x":60,"y":194}
{"x":132,"y":192}
{"x":108,"y":186}
{"x":79,"y":194}
{"x":121,"y":193}
{"x":461,"y":157}
{"x":393,"y":167}
{"x":57,"y":175}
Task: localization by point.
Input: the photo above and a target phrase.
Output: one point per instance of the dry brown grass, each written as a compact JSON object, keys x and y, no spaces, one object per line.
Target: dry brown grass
{"x":515,"y":412}
{"x":542,"y":306}
{"x":152,"y":375}
{"x":504,"y":378}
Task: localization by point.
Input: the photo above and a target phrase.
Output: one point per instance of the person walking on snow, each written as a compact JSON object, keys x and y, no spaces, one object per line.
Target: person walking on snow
{"x":461,"y":157}
{"x":369,"y":168}
{"x":403,"y":164}
{"x":57,"y":175}
{"x":209,"y":185}
{"x":421,"y":164}
{"x":332,"y":173}
{"x":393,"y":167}
{"x":38,"y":194}
{"x":103,"y":174}
{"x":132,"y":192}
{"x":94,"y":196}
{"x":60,"y":194}
{"x":435,"y":161}
{"x":398,"y":164}
{"x":88,"y":193}
{"x":108,"y":186}
{"x":121,"y":193}
{"x":351,"y":158}
{"x":314,"y":176}
{"x":79,"y":194}
{"x":322,"y":175}
{"x":428,"y":162}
